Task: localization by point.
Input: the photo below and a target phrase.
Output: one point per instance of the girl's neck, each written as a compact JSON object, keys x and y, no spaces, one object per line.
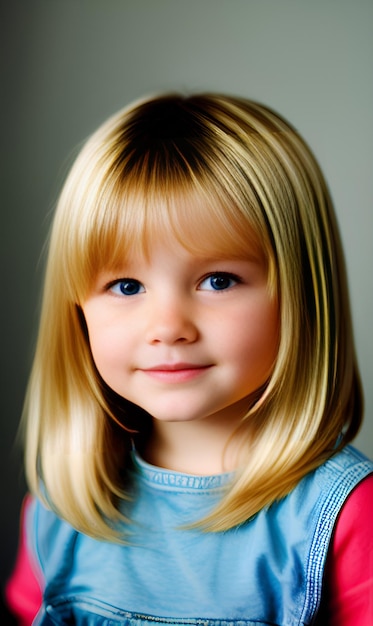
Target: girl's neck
{"x":192,"y":448}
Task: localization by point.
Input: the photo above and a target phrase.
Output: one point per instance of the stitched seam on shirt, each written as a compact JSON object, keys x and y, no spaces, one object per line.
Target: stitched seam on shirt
{"x":107,"y":610}
{"x":323,"y":532}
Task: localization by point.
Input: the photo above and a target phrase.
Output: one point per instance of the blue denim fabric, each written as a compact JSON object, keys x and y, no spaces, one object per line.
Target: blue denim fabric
{"x":268,"y":571}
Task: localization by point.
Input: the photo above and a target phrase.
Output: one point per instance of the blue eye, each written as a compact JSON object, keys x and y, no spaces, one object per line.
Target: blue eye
{"x":219,"y":282}
{"x":127,"y":287}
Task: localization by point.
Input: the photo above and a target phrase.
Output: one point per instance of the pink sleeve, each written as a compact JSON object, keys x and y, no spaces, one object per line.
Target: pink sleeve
{"x":349,"y":571}
{"x":23,"y":591}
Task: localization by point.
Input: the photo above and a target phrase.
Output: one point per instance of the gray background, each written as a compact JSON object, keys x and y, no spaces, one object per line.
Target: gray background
{"x":68,"y":64}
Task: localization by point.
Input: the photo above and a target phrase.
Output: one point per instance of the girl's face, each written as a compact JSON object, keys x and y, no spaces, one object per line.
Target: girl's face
{"x":184,"y":337}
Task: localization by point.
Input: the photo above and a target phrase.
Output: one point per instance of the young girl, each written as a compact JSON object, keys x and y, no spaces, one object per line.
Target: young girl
{"x":195,"y":385}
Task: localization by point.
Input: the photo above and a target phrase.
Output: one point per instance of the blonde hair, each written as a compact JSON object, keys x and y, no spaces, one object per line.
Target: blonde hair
{"x":239,"y":168}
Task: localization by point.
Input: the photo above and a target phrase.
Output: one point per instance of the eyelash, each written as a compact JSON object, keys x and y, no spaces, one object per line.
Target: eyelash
{"x":139,"y":288}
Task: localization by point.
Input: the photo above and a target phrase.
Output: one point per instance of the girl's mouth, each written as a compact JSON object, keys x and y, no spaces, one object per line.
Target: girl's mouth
{"x":176,"y":373}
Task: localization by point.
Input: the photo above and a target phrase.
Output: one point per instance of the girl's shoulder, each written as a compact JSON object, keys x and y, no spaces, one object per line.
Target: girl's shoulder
{"x":349,"y":571}
{"x":350,"y":456}
{"x":44,"y":528}
{"x":348,"y":462}
{"x":341,"y":473}
{"x":324,"y":491}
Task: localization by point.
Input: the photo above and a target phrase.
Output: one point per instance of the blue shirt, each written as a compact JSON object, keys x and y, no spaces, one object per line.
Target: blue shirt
{"x":267,"y":571}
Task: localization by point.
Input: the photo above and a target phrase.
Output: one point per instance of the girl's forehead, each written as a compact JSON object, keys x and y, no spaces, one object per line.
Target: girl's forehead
{"x":205,"y":227}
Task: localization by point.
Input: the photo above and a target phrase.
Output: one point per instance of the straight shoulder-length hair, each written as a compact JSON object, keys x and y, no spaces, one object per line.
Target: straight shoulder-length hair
{"x":219,"y":173}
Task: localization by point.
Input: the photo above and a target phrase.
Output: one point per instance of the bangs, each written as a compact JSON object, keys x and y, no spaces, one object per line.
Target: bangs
{"x":128,"y":225}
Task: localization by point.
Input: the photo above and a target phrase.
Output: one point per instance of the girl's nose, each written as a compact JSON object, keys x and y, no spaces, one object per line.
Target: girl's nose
{"x":171,"y":322}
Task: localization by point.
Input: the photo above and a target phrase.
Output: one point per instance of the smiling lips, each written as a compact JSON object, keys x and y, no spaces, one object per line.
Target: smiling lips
{"x":176,"y":373}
